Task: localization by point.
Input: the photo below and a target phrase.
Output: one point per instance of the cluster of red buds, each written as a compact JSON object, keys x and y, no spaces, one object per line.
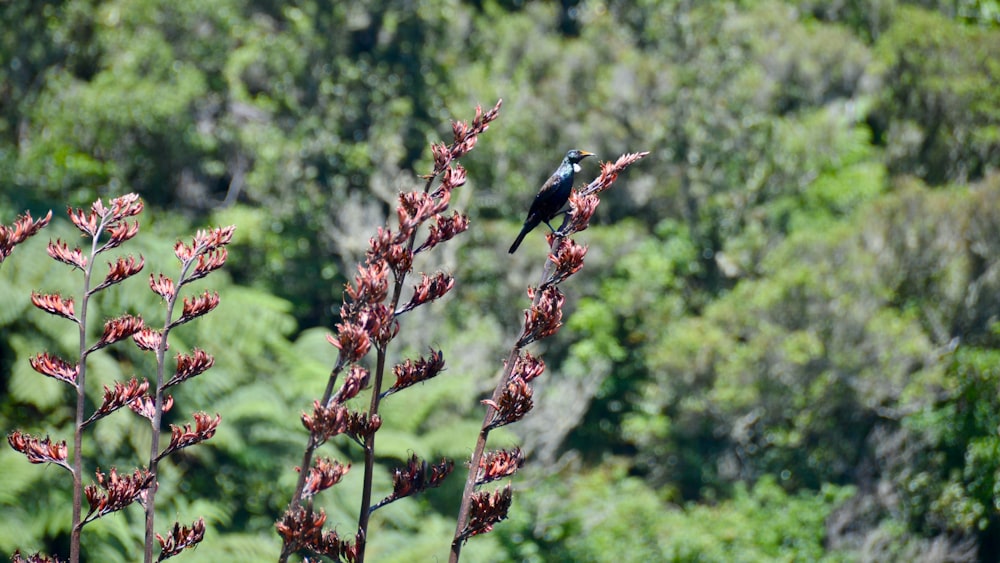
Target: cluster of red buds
{"x":145,"y":406}
{"x":329,"y":421}
{"x":61,"y":252}
{"x":444,"y":229}
{"x":354,"y":382}
{"x":23,"y":228}
{"x":488,"y":508}
{"x":118,"y":396}
{"x":302,"y":529}
{"x":338,"y":549}
{"x":498,"y":464}
{"x":415,"y":208}
{"x":148,"y":339}
{"x":55,"y":367}
{"x":581,"y":209}
{"x":464,"y":137}
{"x":511,"y":405}
{"x":544,"y":318}
{"x":416,"y":477}
{"x":527,"y":367}
{"x":184,"y":436}
{"x":196,"y":307}
{"x":371,"y":285}
{"x":411,"y":372}
{"x":116,"y":330}
{"x":111,"y":218}
{"x":54,"y":304}
{"x":190,"y":366}
{"x":429,"y":289}
{"x":123,"y":268}
{"x":114,"y":492}
{"x":326,"y":421}
{"x":567,"y":259}
{"x":181,"y":538}
{"x":324,"y":474}
{"x":40,"y":450}
{"x":33,"y":558}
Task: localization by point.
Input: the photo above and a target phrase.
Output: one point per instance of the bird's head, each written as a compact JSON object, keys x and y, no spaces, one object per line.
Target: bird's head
{"x":576,"y":155}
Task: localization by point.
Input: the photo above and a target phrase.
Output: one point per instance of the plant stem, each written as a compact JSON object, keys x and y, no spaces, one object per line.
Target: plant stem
{"x":74,"y":540}
{"x":81,"y":405}
{"x":154,"y":446}
{"x":477,"y":455}
{"x":310,"y":450}
{"x":366,"y":491}
{"x":312,"y":445}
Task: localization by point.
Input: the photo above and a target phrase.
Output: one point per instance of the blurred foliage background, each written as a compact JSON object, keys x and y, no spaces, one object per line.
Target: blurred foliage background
{"x":785,"y":344}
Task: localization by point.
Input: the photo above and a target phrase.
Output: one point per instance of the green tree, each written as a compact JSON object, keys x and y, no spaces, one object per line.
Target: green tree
{"x":939,"y":113}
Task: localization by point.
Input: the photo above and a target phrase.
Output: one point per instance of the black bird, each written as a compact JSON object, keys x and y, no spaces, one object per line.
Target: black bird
{"x":553,"y":195}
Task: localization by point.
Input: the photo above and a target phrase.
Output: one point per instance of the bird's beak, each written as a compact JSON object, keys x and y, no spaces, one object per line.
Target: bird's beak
{"x":586,"y":154}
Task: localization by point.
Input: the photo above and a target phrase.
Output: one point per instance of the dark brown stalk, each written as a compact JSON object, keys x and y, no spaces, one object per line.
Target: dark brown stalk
{"x":307,"y":456}
{"x":476,"y":459}
{"x":93,"y":225}
{"x":477,"y":453}
{"x":312,"y":444}
{"x":366,"y":491}
{"x":81,"y":379}
{"x":154,"y":447}
{"x":206,"y":254}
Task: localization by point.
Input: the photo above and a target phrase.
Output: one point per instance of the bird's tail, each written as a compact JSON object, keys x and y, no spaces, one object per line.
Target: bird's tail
{"x":520,"y":237}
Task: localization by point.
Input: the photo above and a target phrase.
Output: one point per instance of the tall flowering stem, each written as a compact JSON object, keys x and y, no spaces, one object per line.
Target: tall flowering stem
{"x":512,"y":397}
{"x":369,"y":319}
{"x":106,"y":227}
{"x":205,"y":254}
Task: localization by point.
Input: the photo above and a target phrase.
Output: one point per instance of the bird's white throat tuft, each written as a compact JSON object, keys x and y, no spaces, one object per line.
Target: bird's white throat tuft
{"x":576,"y":167}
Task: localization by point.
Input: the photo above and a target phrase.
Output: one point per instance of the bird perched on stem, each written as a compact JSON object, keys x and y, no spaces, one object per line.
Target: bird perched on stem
{"x":552,"y":196}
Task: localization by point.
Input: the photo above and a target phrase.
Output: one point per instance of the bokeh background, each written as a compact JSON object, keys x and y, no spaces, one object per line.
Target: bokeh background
{"x":784,"y":343}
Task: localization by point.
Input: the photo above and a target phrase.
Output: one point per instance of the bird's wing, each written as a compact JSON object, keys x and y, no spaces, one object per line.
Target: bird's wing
{"x":548,"y":186}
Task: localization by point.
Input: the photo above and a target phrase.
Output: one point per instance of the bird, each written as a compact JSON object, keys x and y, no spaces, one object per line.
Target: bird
{"x":552,"y":196}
